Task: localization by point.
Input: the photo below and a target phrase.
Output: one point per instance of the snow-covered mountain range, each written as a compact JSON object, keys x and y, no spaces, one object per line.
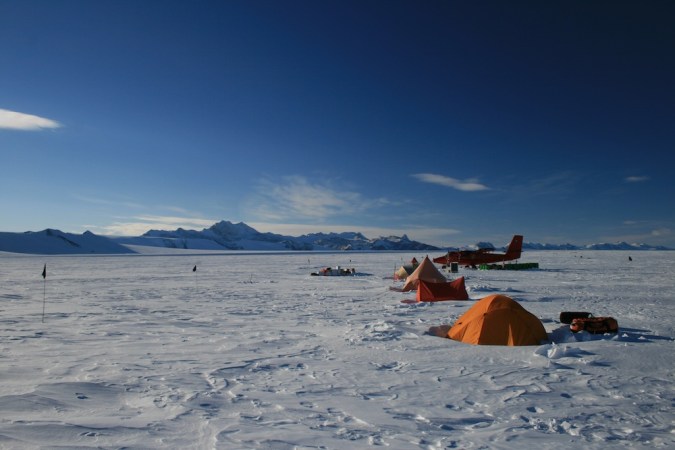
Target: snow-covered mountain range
{"x":226,"y":235}
{"x":223,"y":235}
{"x":601,"y":246}
{"x":55,"y":242}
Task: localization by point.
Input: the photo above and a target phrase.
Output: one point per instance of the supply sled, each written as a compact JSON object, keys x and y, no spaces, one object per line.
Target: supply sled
{"x":584,"y":321}
{"x":595,"y":325}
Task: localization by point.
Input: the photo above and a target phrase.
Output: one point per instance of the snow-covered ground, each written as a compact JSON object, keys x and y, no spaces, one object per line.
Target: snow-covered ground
{"x":251,"y":352}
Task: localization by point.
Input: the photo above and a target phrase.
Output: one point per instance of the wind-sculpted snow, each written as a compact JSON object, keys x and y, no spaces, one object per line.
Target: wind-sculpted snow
{"x":251,"y":352}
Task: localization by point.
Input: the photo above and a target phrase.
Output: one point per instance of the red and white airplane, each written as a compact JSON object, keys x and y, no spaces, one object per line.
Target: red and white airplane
{"x":474,"y":258}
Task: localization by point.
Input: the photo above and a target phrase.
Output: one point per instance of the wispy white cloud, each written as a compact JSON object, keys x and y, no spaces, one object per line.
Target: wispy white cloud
{"x":662,"y":232}
{"x":13,"y":120}
{"x":107,"y":202}
{"x":296,"y":198}
{"x":559,"y":184}
{"x":299,"y":229}
{"x":469,"y":185}
{"x":135,"y":226}
{"x":427,"y":235}
{"x":177,"y":221}
{"x":130,"y":204}
{"x":294,"y":206}
{"x":635,"y":179}
{"x":641,"y":232}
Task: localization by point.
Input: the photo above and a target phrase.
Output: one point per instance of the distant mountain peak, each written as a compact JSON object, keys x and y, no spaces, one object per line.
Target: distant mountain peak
{"x":227,"y":228}
{"x":228,"y":235}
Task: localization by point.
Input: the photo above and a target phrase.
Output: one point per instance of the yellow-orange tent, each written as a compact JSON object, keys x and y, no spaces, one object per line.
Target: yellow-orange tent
{"x":498,"y":320}
{"x":405,"y":271}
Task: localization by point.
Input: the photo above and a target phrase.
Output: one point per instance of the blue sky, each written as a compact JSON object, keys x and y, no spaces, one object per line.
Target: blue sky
{"x":452,"y":122}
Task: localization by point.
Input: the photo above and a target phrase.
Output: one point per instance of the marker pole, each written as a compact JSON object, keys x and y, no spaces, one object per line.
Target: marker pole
{"x":44,"y":291}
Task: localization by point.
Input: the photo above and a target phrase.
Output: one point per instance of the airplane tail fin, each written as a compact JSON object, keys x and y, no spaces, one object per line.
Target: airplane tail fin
{"x":515,"y":247}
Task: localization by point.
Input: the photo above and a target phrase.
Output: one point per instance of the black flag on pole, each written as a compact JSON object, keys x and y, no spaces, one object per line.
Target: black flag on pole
{"x":194,"y":269}
{"x":44,"y":291}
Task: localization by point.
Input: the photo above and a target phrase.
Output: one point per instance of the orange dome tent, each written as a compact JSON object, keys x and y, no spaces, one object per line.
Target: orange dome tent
{"x":498,"y":320}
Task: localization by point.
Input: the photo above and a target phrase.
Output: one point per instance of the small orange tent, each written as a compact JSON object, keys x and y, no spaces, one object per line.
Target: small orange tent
{"x":498,"y":320}
{"x":428,"y":291}
{"x":426,"y":271}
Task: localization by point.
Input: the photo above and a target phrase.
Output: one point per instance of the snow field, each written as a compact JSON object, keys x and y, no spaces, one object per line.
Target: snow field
{"x":252,"y":352}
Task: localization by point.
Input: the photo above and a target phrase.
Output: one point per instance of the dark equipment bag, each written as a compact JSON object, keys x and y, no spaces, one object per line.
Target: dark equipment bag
{"x":569,"y":316}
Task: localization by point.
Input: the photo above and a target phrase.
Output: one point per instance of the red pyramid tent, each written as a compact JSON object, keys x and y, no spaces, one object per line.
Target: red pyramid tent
{"x":428,"y":291}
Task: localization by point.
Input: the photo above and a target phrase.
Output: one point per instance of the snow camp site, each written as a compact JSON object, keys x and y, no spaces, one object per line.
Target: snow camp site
{"x":249,"y":351}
